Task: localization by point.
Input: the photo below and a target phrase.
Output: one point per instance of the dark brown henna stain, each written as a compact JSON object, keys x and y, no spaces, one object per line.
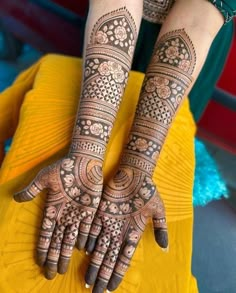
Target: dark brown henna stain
{"x":156,"y":11}
{"x":131,"y":197}
{"x":75,"y":183}
{"x":167,"y":79}
{"x":107,"y":64}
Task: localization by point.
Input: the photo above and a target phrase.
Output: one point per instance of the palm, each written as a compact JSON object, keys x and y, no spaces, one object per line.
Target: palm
{"x":74,"y":186}
{"x":129,"y":199}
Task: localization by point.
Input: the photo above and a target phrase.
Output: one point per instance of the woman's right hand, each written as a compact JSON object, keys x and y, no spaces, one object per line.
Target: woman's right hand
{"x":74,"y":187}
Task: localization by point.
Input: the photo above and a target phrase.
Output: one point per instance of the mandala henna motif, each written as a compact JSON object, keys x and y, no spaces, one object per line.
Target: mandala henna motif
{"x":131,"y":197}
{"x":75,"y":183}
{"x":156,"y":11}
{"x":74,"y":187}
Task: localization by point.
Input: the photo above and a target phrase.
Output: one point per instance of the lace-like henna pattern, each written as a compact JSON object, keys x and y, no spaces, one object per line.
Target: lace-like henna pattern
{"x":156,"y":11}
{"x":131,"y":197}
{"x":167,"y":78}
{"x":107,"y":64}
{"x":74,"y":189}
{"x":74,"y":184}
{"x":128,"y":201}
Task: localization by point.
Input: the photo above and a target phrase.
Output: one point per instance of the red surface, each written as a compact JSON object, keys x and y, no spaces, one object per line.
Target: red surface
{"x":218,"y":125}
{"x":228,"y":77}
{"x":42,"y":28}
{"x":77,"y":6}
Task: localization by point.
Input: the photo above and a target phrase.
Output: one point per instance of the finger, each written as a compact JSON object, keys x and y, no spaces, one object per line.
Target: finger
{"x":93,"y":234}
{"x":45,"y":234}
{"x":84,"y":229}
{"x":107,"y":266}
{"x":68,"y":243}
{"x":124,"y":258}
{"x":159,"y":223}
{"x":53,"y":254}
{"x":30,"y":192}
{"x":97,"y":258}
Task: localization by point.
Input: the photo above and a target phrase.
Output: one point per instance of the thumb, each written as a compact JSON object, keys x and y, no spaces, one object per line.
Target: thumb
{"x":33,"y":189}
{"x":159,"y":224}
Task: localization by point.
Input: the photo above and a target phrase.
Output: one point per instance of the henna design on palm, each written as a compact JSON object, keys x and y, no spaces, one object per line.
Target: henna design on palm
{"x":131,"y":197}
{"x":74,"y":187}
{"x":74,"y":184}
{"x":156,"y":11}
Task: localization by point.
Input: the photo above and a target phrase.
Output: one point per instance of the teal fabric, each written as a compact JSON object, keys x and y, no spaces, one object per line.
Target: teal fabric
{"x":203,"y":88}
{"x":226,"y":7}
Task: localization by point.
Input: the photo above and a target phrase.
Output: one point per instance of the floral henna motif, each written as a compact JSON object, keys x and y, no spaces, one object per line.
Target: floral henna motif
{"x":168,"y":77}
{"x":74,"y":190}
{"x":107,"y":64}
{"x":75,"y":183}
{"x":129,"y":199}
{"x":156,"y":11}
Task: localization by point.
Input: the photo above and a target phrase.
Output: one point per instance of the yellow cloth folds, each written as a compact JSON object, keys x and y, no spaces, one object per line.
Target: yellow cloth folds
{"x":39,"y":109}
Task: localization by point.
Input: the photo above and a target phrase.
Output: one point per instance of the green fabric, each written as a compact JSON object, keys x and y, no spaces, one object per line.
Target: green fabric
{"x":226,"y":7}
{"x":204,"y":86}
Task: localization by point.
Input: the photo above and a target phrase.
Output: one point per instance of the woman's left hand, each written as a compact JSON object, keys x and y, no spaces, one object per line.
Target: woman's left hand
{"x":128,"y":200}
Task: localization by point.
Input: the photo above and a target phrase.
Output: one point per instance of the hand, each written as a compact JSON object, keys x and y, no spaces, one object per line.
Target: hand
{"x":74,"y":187}
{"x":129,"y":199}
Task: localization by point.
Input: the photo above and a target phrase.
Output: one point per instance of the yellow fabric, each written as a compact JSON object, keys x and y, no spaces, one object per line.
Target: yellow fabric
{"x":45,"y":99}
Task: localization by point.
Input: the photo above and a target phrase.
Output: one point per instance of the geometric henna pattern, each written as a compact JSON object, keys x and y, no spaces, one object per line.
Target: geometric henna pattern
{"x":156,"y":11}
{"x":128,"y":200}
{"x":131,"y":197}
{"x":168,"y":77}
{"x":74,"y":187}
{"x":107,"y":64}
{"x":75,"y":183}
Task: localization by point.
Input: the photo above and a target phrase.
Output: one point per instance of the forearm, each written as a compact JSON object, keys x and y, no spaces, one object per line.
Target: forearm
{"x":111,"y":34}
{"x":178,"y":57}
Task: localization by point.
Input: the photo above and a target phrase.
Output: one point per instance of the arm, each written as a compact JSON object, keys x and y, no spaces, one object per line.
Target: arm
{"x":74,"y":184}
{"x":131,"y":197}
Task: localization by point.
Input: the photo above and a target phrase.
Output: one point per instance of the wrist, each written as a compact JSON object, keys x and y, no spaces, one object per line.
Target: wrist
{"x":138,"y":162}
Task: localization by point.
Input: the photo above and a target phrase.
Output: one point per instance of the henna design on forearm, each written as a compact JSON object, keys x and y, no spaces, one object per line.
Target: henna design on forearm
{"x":131,"y":197}
{"x":75,"y":183}
{"x":107,"y":64}
{"x":156,"y":11}
{"x":168,"y":77}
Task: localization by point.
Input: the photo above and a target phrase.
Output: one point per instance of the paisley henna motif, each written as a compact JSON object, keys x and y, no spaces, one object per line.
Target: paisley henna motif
{"x":131,"y":197}
{"x":156,"y":11}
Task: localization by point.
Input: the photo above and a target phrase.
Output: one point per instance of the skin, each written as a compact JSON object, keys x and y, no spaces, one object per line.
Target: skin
{"x":131,"y":197}
{"x":156,"y":11}
{"x":74,"y":184}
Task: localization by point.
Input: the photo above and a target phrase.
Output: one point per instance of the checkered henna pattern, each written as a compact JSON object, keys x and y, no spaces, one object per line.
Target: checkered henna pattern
{"x":130,"y":198}
{"x":74,"y":184}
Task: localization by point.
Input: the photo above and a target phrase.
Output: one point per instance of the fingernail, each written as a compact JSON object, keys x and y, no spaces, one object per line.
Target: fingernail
{"x":87,"y":253}
{"x":108,"y":291}
{"x":87,"y":286}
{"x":165,"y":249}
